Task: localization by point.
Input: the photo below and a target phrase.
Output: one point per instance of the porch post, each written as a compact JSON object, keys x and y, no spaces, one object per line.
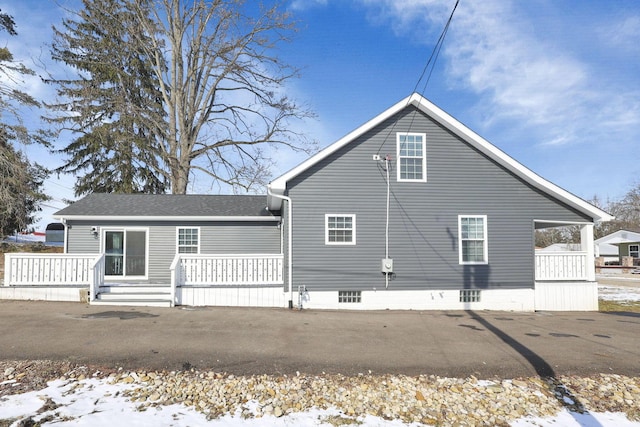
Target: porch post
{"x":587,"y":245}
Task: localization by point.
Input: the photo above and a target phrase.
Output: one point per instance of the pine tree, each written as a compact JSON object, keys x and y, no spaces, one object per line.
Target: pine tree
{"x":112,"y":101}
{"x":175,"y":88}
{"x":20,"y":181}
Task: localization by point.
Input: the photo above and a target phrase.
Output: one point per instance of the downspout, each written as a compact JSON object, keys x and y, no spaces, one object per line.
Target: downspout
{"x":289,"y":241}
{"x":386,"y":229}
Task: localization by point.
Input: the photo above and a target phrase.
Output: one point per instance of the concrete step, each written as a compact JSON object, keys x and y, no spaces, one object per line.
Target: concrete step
{"x":133,"y":294}
{"x":116,"y":296}
{"x":134,"y":303}
{"x":133,"y":288}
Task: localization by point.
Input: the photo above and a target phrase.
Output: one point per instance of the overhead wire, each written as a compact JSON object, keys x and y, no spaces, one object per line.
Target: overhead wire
{"x":429,"y":66}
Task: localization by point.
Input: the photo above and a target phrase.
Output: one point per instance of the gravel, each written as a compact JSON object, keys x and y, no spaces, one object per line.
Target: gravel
{"x":429,"y":400}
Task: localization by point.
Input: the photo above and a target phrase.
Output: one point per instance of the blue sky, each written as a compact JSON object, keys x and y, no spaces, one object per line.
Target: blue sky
{"x":555,"y":84}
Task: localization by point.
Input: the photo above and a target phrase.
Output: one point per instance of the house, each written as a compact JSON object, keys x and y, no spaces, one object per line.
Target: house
{"x":412,"y":210}
{"x":561,"y":247}
{"x":618,"y":244}
{"x":614,"y":247}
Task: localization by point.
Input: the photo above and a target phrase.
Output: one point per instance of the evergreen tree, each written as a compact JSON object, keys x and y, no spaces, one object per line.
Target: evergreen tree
{"x":110,"y":105}
{"x":20,"y":181}
{"x":174,"y":87}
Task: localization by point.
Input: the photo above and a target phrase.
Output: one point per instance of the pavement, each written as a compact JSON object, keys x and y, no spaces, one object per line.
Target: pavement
{"x":246,"y":341}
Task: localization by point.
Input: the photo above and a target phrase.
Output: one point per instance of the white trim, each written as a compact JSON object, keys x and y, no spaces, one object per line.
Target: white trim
{"x":485,"y":240}
{"x":183,"y":227}
{"x":424,"y":156}
{"x":163,"y":218}
{"x":104,"y":230}
{"x":432,"y":299}
{"x":637,"y":251}
{"x":279,"y":184}
{"x":353,"y":229}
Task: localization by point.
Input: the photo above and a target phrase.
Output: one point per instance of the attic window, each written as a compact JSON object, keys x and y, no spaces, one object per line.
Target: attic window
{"x":412,"y":157}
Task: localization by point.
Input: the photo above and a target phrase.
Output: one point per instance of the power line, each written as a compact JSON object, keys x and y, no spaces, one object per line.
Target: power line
{"x":430,"y":65}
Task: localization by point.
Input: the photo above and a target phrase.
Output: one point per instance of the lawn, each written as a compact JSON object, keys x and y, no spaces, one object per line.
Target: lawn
{"x":619,"y":306}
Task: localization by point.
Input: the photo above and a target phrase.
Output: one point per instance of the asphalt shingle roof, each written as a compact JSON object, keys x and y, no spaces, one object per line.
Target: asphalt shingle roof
{"x":169,"y":205}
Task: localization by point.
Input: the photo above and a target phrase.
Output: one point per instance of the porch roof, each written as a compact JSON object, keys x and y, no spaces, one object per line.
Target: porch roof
{"x":168,"y":206}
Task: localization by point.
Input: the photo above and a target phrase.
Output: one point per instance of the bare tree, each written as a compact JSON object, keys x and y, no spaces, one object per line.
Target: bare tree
{"x":221,"y":87}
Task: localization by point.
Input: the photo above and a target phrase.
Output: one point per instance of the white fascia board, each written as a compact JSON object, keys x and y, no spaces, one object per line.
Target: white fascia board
{"x":507,"y":161}
{"x":165,"y":218}
{"x":279,"y":184}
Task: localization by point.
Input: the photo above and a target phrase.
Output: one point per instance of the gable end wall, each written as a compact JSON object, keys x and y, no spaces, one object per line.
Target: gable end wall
{"x":423,"y":216}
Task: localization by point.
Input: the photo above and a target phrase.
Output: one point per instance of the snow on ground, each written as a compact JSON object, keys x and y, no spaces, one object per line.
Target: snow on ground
{"x":98,"y":403}
{"x":618,"y":293}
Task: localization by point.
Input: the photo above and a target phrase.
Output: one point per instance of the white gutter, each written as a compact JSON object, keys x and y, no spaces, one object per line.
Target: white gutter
{"x":164,"y":218}
{"x":289,"y":240}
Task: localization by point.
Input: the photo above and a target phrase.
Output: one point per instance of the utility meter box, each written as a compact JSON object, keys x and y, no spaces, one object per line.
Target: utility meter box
{"x":387,"y":265}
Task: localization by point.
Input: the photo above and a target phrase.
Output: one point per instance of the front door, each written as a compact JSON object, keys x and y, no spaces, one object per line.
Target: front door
{"x":125,"y":253}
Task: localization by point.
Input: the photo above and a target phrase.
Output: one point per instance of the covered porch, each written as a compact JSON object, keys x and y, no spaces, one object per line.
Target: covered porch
{"x":565,"y":279}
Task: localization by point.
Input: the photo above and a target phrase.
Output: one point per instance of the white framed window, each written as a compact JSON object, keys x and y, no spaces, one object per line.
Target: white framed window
{"x":125,"y":252}
{"x":634,"y":251}
{"x":188,"y":240}
{"x":412,"y":157}
{"x":340,"y":229}
{"x":472,"y":235}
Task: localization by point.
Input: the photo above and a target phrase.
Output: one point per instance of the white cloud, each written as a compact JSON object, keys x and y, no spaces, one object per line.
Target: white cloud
{"x":623,"y":33}
{"x":299,"y":5}
{"x":520,"y":79}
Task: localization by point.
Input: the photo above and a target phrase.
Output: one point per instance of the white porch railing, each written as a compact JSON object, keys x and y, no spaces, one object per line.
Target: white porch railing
{"x":242,"y":269}
{"x":561,"y":266}
{"x":226,"y":270}
{"x":28,"y":269}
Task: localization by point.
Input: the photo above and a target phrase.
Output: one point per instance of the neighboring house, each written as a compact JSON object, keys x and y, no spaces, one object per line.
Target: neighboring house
{"x":614,"y":246}
{"x":561,"y":247}
{"x":412,"y":210}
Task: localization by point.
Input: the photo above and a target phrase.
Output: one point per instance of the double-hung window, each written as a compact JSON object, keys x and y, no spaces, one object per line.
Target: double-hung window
{"x":634,"y":251}
{"x":188,"y":240}
{"x":472,"y":232}
{"x":340,"y":229}
{"x":412,"y":157}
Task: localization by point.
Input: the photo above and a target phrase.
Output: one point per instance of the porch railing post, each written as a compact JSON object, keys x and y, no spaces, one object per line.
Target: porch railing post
{"x":175,"y":270}
{"x":7,"y":269}
{"x":587,"y":245}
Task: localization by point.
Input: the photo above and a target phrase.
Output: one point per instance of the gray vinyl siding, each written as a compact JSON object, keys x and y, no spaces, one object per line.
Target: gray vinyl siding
{"x":215,"y":238}
{"x":423,"y":216}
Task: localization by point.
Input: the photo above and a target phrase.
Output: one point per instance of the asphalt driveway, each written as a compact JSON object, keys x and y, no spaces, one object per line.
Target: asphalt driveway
{"x":280,"y":341}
